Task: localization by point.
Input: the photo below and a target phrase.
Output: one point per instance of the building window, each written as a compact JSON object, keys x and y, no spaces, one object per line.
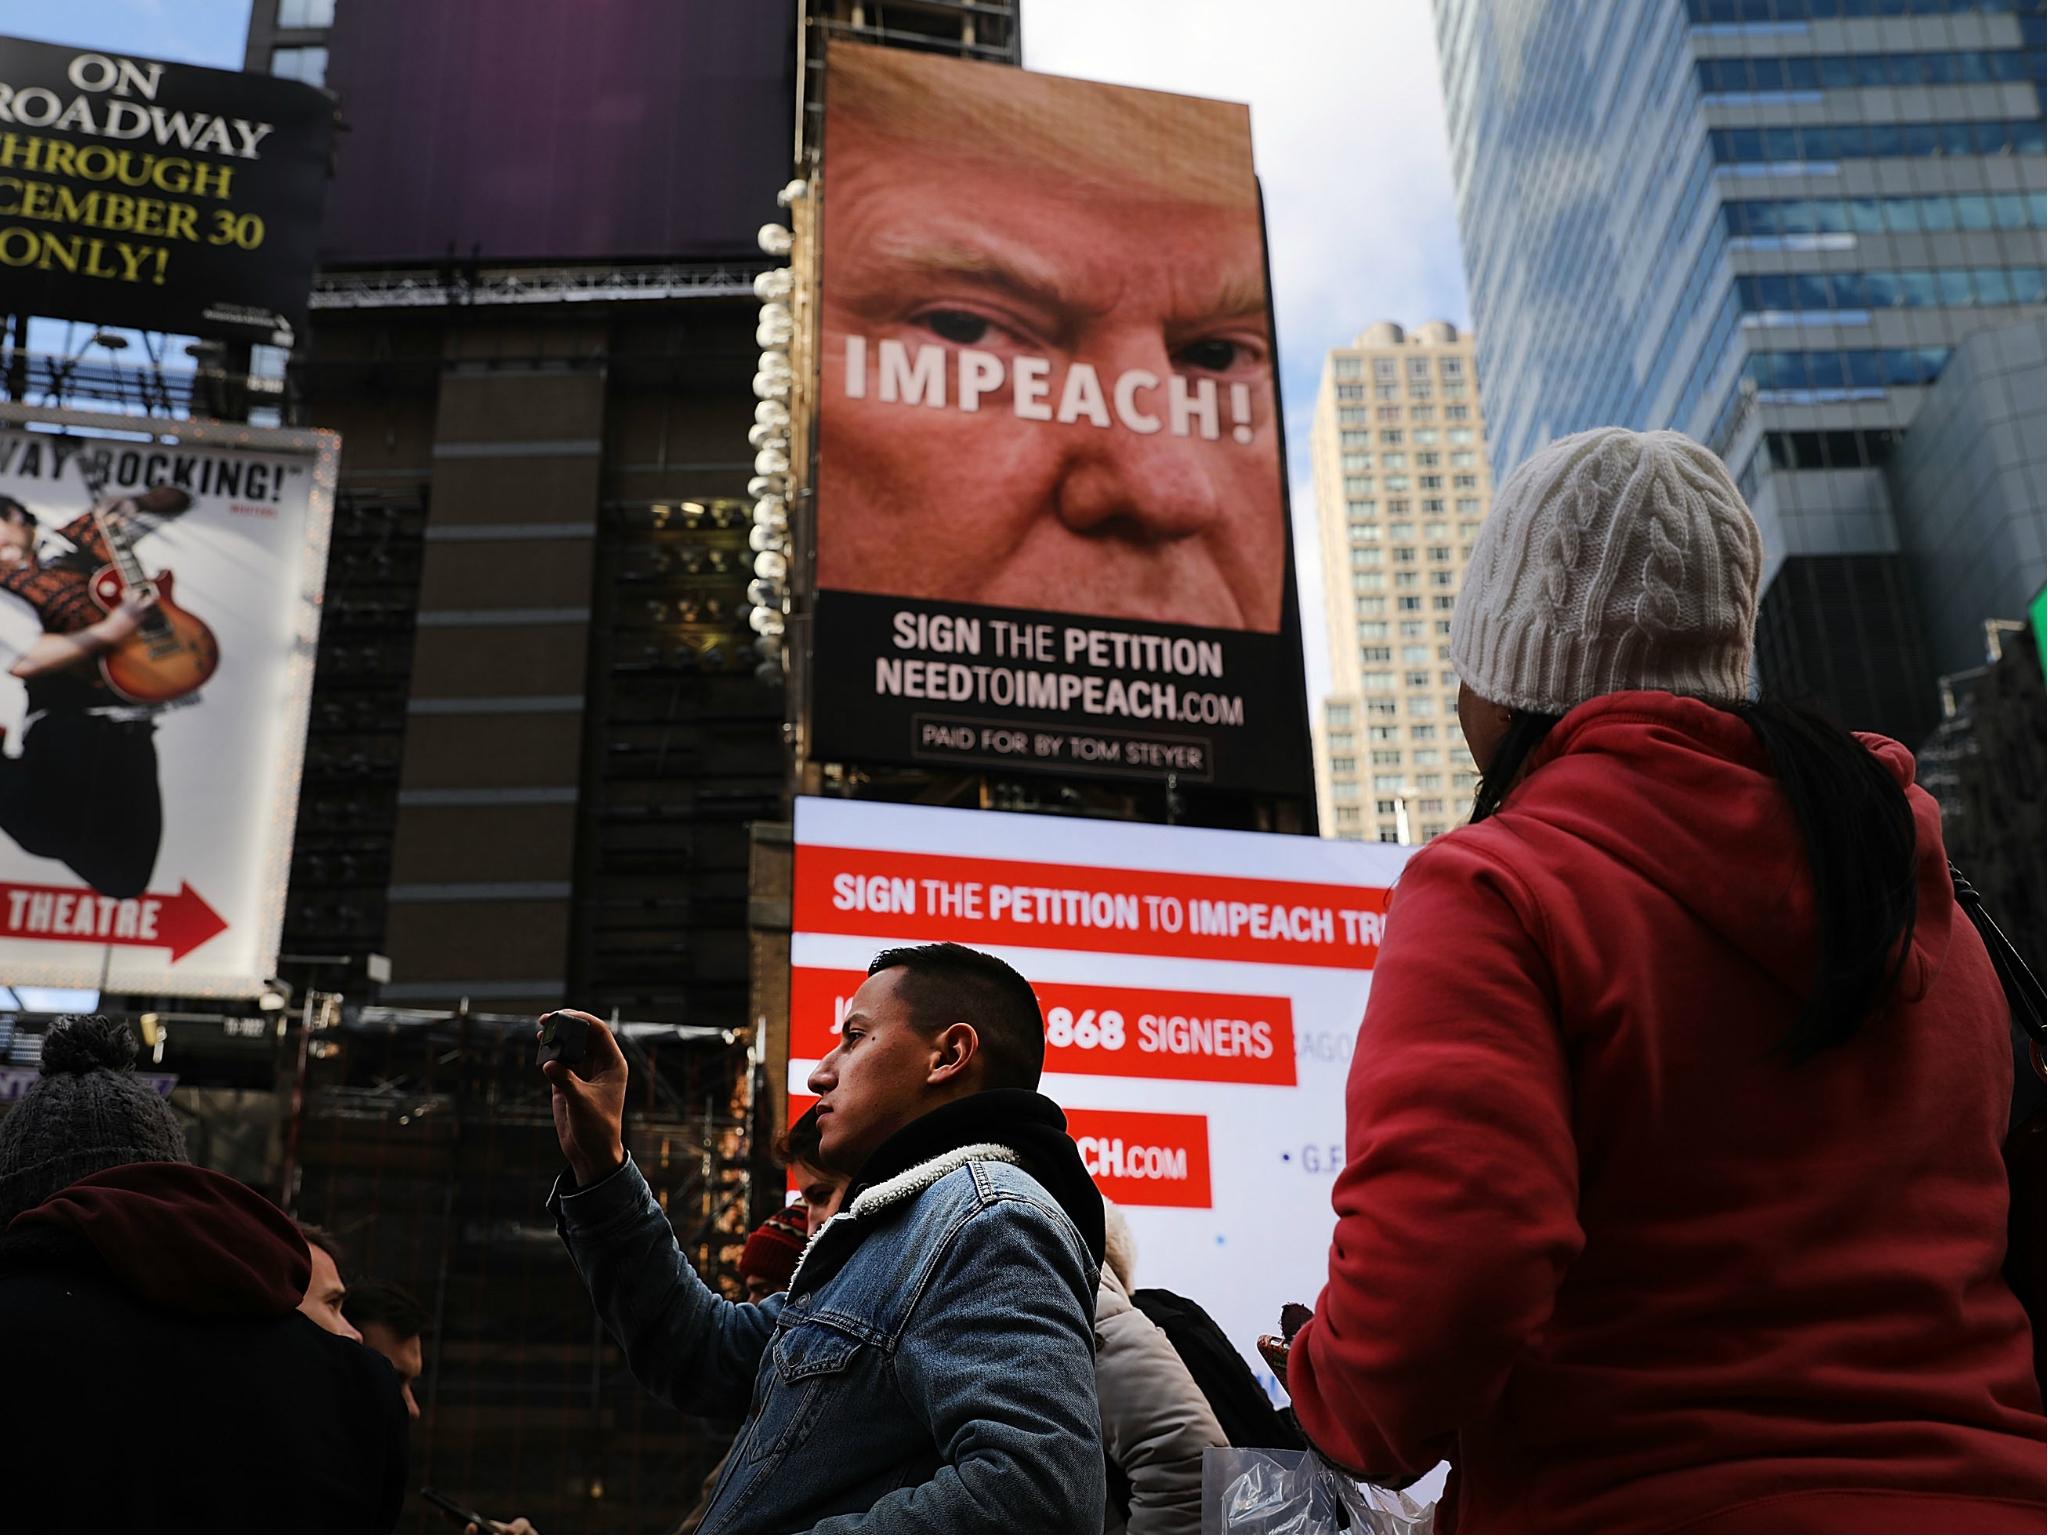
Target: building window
{"x":305,"y":13}
{"x":1440,"y":552}
{"x":1411,"y":604}
{"x":1351,"y":416}
{"x":1453,"y":367}
{"x":1463,"y":460}
{"x":1340,"y":742}
{"x":1423,"y":413}
{"x":1429,"y":483}
{"x":1383,"y":368}
{"x":1355,"y":440}
{"x":1339,"y":715}
{"x":1389,"y":835}
{"x":1348,"y":368}
{"x":1357,"y":461}
{"x":1357,"y":485}
{"x":1385,"y":759}
{"x":1387,"y":413}
{"x":304,"y":64}
{"x":1350,"y":391}
{"x":1421,"y":391}
{"x":1347,"y":813}
{"x":1443,"y":604}
{"x":1344,"y":765}
{"x":1387,"y":781}
{"x":1343,"y":791}
{"x":1458,"y":413}
{"x":1421,"y":704}
{"x":1384,"y":807}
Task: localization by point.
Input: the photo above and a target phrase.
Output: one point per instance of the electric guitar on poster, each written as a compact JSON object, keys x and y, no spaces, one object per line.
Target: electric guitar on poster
{"x":172,"y":652}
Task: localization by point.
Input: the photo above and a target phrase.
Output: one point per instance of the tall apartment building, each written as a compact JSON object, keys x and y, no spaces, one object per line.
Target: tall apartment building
{"x":1401,"y":484}
{"x":1769,"y":224}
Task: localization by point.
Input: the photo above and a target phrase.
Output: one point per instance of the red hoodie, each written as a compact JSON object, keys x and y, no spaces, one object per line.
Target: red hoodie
{"x":185,"y":1238}
{"x":1602,"y":1248}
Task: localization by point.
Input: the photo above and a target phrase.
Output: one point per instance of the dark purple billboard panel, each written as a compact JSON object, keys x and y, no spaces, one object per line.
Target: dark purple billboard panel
{"x":530,"y":130}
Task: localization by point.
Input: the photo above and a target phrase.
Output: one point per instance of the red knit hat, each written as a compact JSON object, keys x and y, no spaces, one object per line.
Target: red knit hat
{"x":775,"y":1246}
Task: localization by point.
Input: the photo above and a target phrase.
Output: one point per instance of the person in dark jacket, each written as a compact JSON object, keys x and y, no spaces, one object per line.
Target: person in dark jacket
{"x":1673,"y":1196}
{"x":931,"y":1367}
{"x":159,"y":1374}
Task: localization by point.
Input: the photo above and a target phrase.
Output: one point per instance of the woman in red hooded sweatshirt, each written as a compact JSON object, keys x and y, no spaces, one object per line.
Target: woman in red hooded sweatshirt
{"x":1673,"y":1196}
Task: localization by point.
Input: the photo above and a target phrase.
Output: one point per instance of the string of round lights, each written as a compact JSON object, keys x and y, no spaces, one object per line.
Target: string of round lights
{"x":774,"y":380}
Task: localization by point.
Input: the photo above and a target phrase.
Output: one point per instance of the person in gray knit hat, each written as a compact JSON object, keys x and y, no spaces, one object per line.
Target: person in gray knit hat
{"x":1611,"y":560}
{"x":86,"y":1112}
{"x":1675,"y":1198}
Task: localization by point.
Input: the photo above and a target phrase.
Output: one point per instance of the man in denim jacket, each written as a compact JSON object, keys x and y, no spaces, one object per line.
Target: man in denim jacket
{"x":931,"y":1367}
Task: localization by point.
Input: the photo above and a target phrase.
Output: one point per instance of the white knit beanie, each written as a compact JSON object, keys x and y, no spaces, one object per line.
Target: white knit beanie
{"x":1612,"y":560}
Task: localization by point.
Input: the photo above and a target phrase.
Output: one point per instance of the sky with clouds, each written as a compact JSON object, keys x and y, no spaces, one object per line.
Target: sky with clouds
{"x":1347,"y":128}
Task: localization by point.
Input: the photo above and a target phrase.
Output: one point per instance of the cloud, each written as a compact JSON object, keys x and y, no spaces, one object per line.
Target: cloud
{"x":1348,"y":133}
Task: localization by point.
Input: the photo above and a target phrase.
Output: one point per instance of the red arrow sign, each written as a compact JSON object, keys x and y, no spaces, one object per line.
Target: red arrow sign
{"x":79,"y":915}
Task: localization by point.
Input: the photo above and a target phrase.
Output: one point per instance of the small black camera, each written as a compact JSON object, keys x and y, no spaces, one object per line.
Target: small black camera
{"x":562,"y":1038}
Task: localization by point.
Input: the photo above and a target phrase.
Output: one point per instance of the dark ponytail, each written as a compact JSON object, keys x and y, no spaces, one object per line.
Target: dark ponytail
{"x":1526,"y":730}
{"x":1857,"y":829}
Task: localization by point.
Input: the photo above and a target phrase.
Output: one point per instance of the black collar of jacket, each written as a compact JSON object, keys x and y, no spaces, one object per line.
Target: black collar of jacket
{"x":1028,"y":1123}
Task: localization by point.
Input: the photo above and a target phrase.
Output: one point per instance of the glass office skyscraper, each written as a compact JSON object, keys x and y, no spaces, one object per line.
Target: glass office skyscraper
{"x":1769,"y":224}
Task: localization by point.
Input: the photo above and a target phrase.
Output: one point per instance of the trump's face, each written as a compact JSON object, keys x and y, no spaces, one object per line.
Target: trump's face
{"x":1121,"y":493}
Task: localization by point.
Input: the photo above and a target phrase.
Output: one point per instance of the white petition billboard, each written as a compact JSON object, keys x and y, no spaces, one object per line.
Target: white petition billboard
{"x":1202,"y":991}
{"x":160,"y":587}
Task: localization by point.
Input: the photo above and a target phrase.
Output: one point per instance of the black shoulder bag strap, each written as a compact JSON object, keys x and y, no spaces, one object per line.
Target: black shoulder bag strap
{"x":2023,"y":991}
{"x":2026,"y":1230}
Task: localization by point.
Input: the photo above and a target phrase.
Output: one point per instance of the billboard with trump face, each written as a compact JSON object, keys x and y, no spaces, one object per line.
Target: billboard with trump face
{"x":1051,"y":512}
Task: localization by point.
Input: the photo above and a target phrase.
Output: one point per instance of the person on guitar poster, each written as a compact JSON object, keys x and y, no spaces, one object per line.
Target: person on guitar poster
{"x":84,"y":789}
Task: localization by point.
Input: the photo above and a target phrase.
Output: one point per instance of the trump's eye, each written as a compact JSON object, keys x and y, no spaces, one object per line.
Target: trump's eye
{"x":963,"y":328}
{"x":1212,"y":354}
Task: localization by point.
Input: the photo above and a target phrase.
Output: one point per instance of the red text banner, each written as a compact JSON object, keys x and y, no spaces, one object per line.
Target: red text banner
{"x":982,"y":901}
{"x":1141,"y":1158}
{"x":178,"y":921}
{"x":1103,"y":1031}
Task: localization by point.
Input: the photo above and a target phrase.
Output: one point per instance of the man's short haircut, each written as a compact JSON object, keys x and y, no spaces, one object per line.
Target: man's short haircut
{"x":320,"y":1237}
{"x":379,"y":1301}
{"x":799,"y":1144}
{"x":949,"y":983}
{"x":12,"y":511}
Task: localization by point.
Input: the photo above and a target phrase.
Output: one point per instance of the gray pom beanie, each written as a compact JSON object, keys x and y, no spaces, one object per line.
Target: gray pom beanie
{"x":1612,"y":560}
{"x":86,"y":1112}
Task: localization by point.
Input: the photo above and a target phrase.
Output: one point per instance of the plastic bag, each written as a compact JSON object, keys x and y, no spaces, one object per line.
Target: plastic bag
{"x":1274,"y":1491}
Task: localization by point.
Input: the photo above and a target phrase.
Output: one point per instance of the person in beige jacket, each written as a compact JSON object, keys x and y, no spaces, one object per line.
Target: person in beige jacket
{"x":1155,"y":1421}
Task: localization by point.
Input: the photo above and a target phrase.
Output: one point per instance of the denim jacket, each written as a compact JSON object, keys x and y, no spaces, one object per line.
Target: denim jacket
{"x":941,"y":1378}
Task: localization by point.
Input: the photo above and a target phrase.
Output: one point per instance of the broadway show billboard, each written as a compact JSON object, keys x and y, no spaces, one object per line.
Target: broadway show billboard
{"x":161,"y":196}
{"x":159,"y":608}
{"x":1201,"y":992}
{"x":1051,"y":526}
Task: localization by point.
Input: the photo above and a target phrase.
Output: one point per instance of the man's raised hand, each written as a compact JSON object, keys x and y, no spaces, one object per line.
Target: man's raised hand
{"x":590,"y":1105}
